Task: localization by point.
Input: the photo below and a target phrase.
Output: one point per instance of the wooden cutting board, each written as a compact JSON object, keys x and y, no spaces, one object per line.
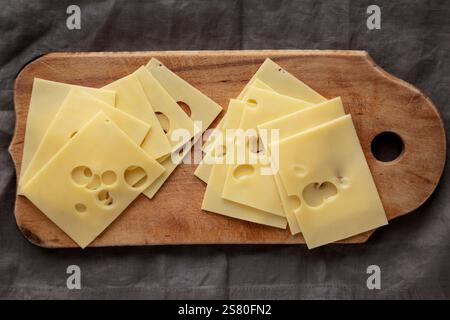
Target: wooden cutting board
{"x":378,"y":102}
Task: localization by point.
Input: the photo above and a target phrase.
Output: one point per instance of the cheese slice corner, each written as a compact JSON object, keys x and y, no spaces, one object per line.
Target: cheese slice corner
{"x":283,"y":82}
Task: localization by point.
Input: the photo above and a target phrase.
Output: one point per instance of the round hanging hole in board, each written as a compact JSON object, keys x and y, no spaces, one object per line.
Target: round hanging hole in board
{"x":81,"y":175}
{"x":135,"y":176}
{"x":387,"y":146}
{"x":185,"y":107}
{"x":109,"y":177}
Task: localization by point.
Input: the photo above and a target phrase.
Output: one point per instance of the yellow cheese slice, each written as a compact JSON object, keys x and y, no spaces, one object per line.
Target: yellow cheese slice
{"x":257,"y":190}
{"x":131,"y":98}
{"x":292,"y":124}
{"x":46,"y":98}
{"x":325,"y":170}
{"x":271,"y":76}
{"x":204,"y":169}
{"x":84,"y":187}
{"x":256,"y":83}
{"x":212,"y":200}
{"x":203,"y":110}
{"x":263,"y":105}
{"x":282,"y":82}
{"x":75,"y":111}
{"x":202,"y":107}
{"x":169,"y":113}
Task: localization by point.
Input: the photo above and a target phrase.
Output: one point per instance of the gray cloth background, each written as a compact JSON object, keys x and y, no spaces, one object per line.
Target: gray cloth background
{"x":413,"y":252}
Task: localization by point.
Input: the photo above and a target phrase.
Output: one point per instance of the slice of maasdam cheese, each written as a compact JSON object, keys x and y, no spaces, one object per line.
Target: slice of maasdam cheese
{"x":131,"y":98}
{"x":212,"y":200}
{"x":202,"y":107}
{"x":169,"y":113}
{"x":259,"y":190}
{"x":84,"y":187}
{"x":325,"y":169}
{"x":256,"y":83}
{"x":263,"y":105}
{"x":204,"y":169}
{"x":46,"y":98}
{"x":203,"y":110}
{"x":292,"y":124}
{"x":283,"y":82}
{"x":75,"y":111}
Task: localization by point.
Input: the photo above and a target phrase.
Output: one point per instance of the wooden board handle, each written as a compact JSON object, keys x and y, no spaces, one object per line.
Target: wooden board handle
{"x":409,"y":180}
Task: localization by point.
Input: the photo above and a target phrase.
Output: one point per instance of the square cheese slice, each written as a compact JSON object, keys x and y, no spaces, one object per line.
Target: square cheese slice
{"x":202,"y":108}
{"x":212,"y":200}
{"x":75,"y":111}
{"x":259,"y":190}
{"x":290,"y":125}
{"x":324,"y":168}
{"x":168,"y":112}
{"x":85,"y":186}
{"x":46,"y":99}
{"x":273,"y":77}
{"x":131,"y":98}
{"x":204,"y":169}
{"x":282,"y":82}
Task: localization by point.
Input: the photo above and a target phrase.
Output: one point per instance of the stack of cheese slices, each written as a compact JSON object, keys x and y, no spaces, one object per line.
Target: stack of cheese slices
{"x":88,"y":153}
{"x":313,"y":176}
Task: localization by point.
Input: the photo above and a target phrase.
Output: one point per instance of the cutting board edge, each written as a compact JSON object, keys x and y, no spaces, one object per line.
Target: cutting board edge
{"x":34,"y":240}
{"x":360,"y":53}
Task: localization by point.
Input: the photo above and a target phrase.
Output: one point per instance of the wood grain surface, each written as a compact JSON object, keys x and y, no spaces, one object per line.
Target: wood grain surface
{"x":378,"y":102}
